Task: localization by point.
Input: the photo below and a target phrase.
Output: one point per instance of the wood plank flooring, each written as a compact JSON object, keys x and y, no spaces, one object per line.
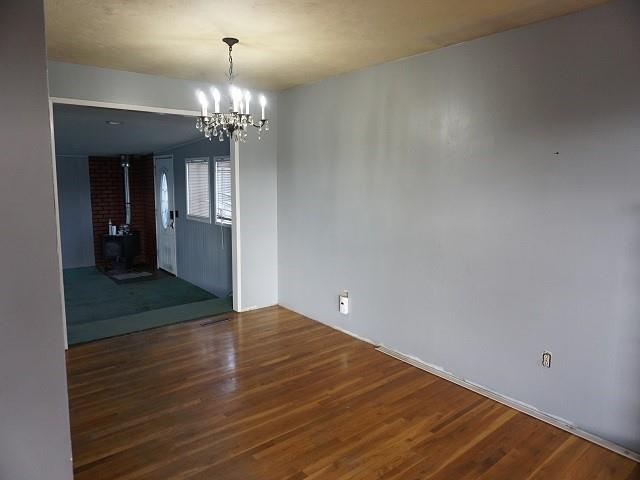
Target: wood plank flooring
{"x":273,"y":395}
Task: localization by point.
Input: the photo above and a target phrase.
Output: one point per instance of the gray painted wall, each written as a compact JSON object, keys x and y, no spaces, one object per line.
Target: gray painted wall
{"x":258,"y":192}
{"x":430,"y":188}
{"x":34,"y":418}
{"x":74,"y":204}
{"x":85,"y":82}
{"x":203,"y":249}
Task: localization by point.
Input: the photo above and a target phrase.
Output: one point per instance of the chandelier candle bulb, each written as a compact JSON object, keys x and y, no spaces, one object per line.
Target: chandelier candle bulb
{"x":203,"y":102}
{"x":216,"y":99}
{"x":263,"y":103}
{"x":247,"y":100}
{"x":236,"y":95}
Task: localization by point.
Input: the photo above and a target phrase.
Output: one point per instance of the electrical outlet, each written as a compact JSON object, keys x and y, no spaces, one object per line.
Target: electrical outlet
{"x":546,"y":359}
{"x":343,"y":303}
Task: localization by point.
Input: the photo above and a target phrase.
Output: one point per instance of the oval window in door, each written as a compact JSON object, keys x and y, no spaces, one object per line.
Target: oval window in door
{"x":164,"y":201}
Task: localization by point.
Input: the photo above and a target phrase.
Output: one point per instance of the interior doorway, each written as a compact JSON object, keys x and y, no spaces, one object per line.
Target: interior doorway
{"x":131,"y":261}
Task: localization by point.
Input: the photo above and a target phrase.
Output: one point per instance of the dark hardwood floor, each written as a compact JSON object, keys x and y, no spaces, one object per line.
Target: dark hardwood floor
{"x":274,"y":395}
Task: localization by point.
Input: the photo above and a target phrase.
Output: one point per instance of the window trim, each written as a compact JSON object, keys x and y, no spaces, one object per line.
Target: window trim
{"x":221,"y":158}
{"x":187,"y":161}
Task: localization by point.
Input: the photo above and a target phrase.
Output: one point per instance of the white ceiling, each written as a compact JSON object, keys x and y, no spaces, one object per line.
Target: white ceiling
{"x":283,"y":42}
{"x":84,"y":131}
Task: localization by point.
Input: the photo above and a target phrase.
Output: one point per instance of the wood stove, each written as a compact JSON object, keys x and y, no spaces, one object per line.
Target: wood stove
{"x":120,"y":250}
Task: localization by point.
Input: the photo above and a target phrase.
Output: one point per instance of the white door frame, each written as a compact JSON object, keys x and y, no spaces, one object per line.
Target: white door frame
{"x":235,"y":180}
{"x":173,"y":203}
{"x":59,"y":237}
{"x":236,"y":250}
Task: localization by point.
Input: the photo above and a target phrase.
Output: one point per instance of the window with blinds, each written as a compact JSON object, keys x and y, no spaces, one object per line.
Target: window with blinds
{"x":198,"y":188}
{"x":223,"y":191}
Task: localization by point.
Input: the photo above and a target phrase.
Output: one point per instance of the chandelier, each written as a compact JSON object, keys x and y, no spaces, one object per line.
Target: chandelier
{"x":236,"y":121}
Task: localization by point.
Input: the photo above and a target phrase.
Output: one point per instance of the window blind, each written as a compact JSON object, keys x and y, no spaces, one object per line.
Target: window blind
{"x":198,"y":200}
{"x":223,"y":191}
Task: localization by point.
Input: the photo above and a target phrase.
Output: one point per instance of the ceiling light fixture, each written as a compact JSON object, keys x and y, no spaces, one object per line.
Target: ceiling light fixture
{"x":113,"y":122}
{"x":238,"y":119}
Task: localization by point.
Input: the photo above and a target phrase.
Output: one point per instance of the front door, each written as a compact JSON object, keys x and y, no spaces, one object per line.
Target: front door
{"x":165,"y":214}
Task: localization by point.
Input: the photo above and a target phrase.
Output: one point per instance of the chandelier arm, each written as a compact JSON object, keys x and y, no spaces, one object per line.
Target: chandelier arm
{"x":262,"y":123}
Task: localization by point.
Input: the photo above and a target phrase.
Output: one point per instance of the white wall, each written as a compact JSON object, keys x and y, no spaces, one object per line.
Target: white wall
{"x":256,"y":217}
{"x":258,"y":171}
{"x":481,"y":203}
{"x":34,"y":419}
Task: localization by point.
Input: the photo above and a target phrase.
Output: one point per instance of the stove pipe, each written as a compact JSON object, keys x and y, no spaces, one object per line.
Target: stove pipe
{"x":127,"y":195}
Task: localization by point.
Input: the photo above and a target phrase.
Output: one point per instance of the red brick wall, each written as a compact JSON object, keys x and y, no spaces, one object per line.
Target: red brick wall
{"x":107,"y":202}
{"x":107,"y":198}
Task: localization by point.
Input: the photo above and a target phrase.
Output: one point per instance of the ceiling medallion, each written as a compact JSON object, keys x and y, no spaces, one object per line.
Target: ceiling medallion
{"x":238,"y":118}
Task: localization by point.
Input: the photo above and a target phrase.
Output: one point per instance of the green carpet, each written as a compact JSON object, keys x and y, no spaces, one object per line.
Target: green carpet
{"x":97,"y":307}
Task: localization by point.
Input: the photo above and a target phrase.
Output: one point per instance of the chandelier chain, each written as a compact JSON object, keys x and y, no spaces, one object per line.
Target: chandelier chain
{"x":230,"y":65}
